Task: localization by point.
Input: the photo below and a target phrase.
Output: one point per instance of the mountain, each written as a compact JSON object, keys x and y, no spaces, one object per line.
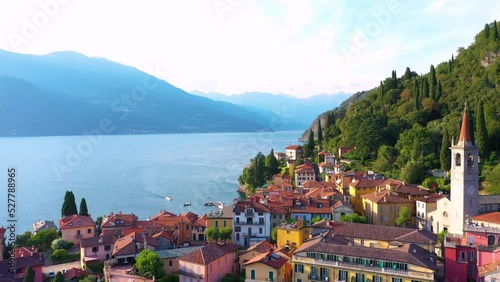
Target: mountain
{"x":407,"y":124}
{"x":290,"y":109}
{"x":67,"y":93}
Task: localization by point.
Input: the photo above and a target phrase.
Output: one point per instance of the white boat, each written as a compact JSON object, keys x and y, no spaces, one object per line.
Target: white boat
{"x":168,"y":198}
{"x":187,"y":204}
{"x":220,"y":205}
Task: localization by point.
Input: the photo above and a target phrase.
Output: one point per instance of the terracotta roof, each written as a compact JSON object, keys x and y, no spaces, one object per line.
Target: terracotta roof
{"x":201,"y":222}
{"x":492,"y":217}
{"x":312,"y":184}
{"x":407,"y":253}
{"x":127,"y":244}
{"x":76,"y":221}
{"x":316,"y":206}
{"x":432,"y":198}
{"x":209,"y":253}
{"x":240,"y":206}
{"x":25,"y":252}
{"x":285,"y":250}
{"x":97,"y":241}
{"x":385,"y":196}
{"x":74,"y":273}
{"x":304,"y":168}
{"x":464,"y":129}
{"x":164,"y":234}
{"x":366,"y":183}
{"x":261,"y":247}
{"x":191,"y":216}
{"x":293,"y":147}
{"x":119,"y":220}
{"x":273,"y":260}
{"x":378,"y":232}
{"x":489,"y":268}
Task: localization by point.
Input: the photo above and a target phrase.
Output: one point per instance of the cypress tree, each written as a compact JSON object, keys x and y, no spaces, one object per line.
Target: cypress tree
{"x":432,"y":83}
{"x":486,"y":31}
{"x":30,"y":274}
{"x":330,"y":119}
{"x":69,"y":204}
{"x":83,"y":208}
{"x":310,"y":143}
{"x":407,"y":74}
{"x":394,"y":79}
{"x":439,"y":91}
{"x":481,"y":132}
{"x":425,"y":89}
{"x":444,"y":153}
{"x":416,"y":95}
{"x":495,"y":30}
{"x":320,"y":133}
{"x":449,"y":66}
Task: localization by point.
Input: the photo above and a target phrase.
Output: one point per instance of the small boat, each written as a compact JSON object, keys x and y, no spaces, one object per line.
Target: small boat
{"x":168,"y":198}
{"x":187,"y":204}
{"x":220,"y":205}
{"x":209,"y":204}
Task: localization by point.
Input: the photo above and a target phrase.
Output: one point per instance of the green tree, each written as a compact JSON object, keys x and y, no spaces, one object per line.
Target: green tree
{"x":494,"y":36}
{"x":274,"y":234}
{"x":407,"y":75}
{"x":225,"y":233}
{"x":59,"y":255}
{"x":416,"y":95}
{"x":272,"y":165}
{"x":320,"y":133}
{"x":486,"y":31}
{"x":213,"y":233}
{"x":150,"y":264}
{"x":481,"y":132}
{"x":98,"y":225}
{"x":444,"y":153}
{"x":492,"y":178}
{"x":83,"y":208}
{"x":23,"y":240}
{"x":413,"y":172}
{"x":59,"y":277}
{"x":43,"y":239}
{"x":60,"y":243}
{"x":385,"y":158}
{"x":315,"y":219}
{"x":88,"y":278}
{"x":441,"y":236}
{"x":354,"y":217}
{"x":310,"y":144}
{"x":30,"y":274}
{"x":69,"y":204}
{"x":432,"y":83}
{"x":404,"y":217}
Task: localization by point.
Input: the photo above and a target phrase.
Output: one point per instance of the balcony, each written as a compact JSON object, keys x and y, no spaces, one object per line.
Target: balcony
{"x":190,"y":274}
{"x":317,"y":277}
{"x":249,"y":214}
{"x":248,"y":223}
{"x":475,"y":228}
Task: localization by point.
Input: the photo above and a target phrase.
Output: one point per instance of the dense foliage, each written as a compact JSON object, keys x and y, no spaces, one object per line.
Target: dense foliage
{"x":260,"y":170}
{"x":150,"y":264}
{"x":405,"y":126}
{"x":219,"y":233}
{"x":69,"y":204}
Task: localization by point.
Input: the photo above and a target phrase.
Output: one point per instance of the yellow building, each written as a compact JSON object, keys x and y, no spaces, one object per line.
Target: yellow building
{"x":292,"y":234}
{"x":221,"y":219}
{"x":359,"y":188}
{"x":76,"y":227}
{"x":330,"y":258}
{"x":256,"y":250}
{"x":382,"y":207}
{"x":268,"y":267}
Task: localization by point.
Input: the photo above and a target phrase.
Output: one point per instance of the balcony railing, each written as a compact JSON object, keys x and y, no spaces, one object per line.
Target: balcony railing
{"x":475,"y":228}
{"x":190,"y":274}
{"x":317,"y":277}
{"x":248,"y":223}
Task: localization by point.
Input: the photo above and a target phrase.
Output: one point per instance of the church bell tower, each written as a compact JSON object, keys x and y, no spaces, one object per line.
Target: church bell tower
{"x":464,"y":180}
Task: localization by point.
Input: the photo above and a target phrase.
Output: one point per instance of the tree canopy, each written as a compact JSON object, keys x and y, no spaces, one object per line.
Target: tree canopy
{"x":69,"y":204}
{"x":150,"y":264}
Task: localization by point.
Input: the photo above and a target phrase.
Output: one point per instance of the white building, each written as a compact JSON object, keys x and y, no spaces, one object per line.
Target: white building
{"x":252,"y":222}
{"x":293,"y":152}
{"x":452,"y":212}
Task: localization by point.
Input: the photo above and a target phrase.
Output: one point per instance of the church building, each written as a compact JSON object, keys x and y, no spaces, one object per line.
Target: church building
{"x":454,"y":211}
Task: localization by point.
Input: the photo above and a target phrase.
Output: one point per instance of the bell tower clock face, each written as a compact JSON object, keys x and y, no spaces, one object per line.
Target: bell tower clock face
{"x":471,"y":190}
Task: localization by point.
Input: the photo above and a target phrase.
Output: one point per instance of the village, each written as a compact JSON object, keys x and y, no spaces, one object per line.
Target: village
{"x":322,"y":224}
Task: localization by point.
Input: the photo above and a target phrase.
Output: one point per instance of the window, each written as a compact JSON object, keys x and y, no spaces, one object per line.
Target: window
{"x":170,"y":263}
{"x":217,"y":223}
{"x":237,"y":236}
{"x":89,"y":231}
{"x":252,"y":274}
{"x":225,"y":223}
{"x":187,"y":226}
{"x":377,"y":278}
{"x":472,"y":255}
{"x":95,"y":249}
{"x":313,"y":272}
{"x":458,"y":161}
{"x":381,"y":209}
{"x":299,"y":268}
{"x":397,"y":279}
{"x":274,"y":216}
{"x":462,"y":256}
{"x":343,"y":274}
{"x":107,"y":247}
{"x":470,"y":161}
{"x":491,"y":240}
{"x":390,"y":209}
{"x":261,"y":213}
{"x":261,"y":221}
{"x":260,"y":230}
{"x":271,"y":275}
{"x":281,"y":216}
{"x":324,"y":273}
{"x":78,"y":232}
{"x":360,"y":277}
{"x":237,"y":229}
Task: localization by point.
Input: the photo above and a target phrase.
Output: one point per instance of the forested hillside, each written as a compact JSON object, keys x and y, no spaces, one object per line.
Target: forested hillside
{"x":405,"y":126}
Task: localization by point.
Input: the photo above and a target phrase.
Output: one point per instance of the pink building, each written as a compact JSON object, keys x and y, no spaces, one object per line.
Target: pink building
{"x":96,"y":249}
{"x":209,"y":264}
{"x":475,"y":255}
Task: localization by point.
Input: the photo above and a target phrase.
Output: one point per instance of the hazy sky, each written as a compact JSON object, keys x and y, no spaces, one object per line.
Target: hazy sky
{"x":301,"y":48}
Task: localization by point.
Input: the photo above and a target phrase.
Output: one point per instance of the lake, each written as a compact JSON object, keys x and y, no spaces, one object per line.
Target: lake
{"x":128,"y":173}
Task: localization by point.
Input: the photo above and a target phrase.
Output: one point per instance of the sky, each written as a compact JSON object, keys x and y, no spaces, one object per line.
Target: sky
{"x":296,"y":47}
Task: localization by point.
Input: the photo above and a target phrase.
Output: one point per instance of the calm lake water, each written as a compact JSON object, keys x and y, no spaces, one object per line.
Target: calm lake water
{"x":128,"y":173}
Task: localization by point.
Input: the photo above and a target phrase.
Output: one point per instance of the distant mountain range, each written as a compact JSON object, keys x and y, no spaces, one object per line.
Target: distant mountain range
{"x":67,"y":93}
{"x":292,"y":111}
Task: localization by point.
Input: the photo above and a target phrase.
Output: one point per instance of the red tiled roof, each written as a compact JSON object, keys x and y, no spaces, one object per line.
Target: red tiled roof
{"x":366,"y":183}
{"x":97,"y":241}
{"x":432,"y":198}
{"x":74,"y":273}
{"x":119,"y":220}
{"x":293,"y":147}
{"x":385,"y":196}
{"x":464,"y":129}
{"x":209,"y":253}
{"x":25,"y":252}
{"x":201,"y":222}
{"x":261,"y":247}
{"x":266,"y":258}
{"x":492,"y":217}
{"x":76,"y":221}
{"x":240,"y":206}
{"x":127,"y":244}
